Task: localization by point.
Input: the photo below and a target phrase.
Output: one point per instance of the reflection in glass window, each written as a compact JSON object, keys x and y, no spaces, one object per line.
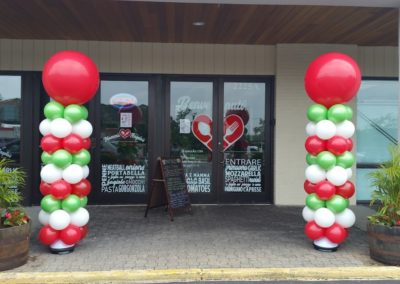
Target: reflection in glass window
{"x":377,"y":114}
{"x":124,"y":132}
{"x":10,"y":117}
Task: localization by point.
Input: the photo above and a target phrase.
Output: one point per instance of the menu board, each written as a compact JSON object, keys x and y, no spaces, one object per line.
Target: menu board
{"x":118,"y":178}
{"x":175,"y":182}
{"x":243,"y":175}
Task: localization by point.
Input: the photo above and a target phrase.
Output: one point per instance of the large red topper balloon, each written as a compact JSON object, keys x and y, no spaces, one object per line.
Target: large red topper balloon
{"x":332,"y":78}
{"x":70,"y":77}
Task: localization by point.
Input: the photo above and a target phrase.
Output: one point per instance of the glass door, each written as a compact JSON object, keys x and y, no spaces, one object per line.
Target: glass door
{"x":244,"y":145}
{"x":191,"y":134}
{"x":221,"y":128}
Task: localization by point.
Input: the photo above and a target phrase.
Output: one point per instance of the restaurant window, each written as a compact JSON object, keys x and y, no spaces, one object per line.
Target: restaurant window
{"x":377,"y":129}
{"x":10,"y":117}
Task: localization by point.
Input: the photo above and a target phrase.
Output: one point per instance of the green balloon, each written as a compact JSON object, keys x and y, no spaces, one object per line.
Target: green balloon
{"x":337,"y":113}
{"x":311,"y":159}
{"x":73,"y":113}
{"x":81,"y":158}
{"x":84,"y":201}
{"x":61,"y":158}
{"x":46,"y":158}
{"x":50,"y":204}
{"x":349,"y":113}
{"x":85,"y":112}
{"x":314,"y":202}
{"x":346,"y":160}
{"x":53,"y":110}
{"x":317,"y":112}
{"x":71,"y":203}
{"x":337,"y":204}
{"x":326,"y":160}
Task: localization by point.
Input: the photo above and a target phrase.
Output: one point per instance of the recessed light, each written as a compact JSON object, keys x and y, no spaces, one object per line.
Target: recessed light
{"x":198,"y":24}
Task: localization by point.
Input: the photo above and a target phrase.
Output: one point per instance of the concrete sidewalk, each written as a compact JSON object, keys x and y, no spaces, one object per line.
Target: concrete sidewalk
{"x":213,"y":239}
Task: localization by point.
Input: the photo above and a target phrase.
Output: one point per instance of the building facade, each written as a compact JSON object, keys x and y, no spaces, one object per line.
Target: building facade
{"x":186,"y":97}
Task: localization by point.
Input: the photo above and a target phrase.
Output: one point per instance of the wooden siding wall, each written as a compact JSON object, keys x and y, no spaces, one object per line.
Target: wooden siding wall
{"x":129,"y":57}
{"x":379,"y":61}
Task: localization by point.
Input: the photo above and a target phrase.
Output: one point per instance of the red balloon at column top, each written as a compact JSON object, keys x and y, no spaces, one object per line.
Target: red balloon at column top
{"x":70,"y":77}
{"x":332,"y":78}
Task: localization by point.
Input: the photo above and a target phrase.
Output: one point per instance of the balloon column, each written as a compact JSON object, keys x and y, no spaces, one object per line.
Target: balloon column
{"x":330,"y":81}
{"x":70,"y":79}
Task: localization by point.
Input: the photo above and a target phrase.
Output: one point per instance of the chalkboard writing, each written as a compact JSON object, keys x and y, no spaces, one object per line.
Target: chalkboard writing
{"x":174,"y":176}
{"x":173,"y":192}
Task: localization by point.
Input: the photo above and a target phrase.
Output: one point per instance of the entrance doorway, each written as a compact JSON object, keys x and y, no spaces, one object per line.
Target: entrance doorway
{"x":221,"y":127}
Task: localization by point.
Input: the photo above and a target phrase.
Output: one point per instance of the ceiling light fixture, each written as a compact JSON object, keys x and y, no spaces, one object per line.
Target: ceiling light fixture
{"x":198,"y":24}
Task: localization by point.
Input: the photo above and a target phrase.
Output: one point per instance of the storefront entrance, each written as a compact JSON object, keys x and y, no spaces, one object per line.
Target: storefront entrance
{"x":220,"y":126}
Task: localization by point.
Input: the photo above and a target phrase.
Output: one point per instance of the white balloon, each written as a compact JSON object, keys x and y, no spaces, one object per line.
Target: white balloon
{"x":349,"y":172}
{"x":82,"y":128}
{"x":60,"y":127}
{"x":337,"y":175}
{"x":324,"y":217}
{"x":80,"y":217}
{"x":346,"y":218}
{"x":308,"y":214}
{"x":85,"y":171}
{"x":315,"y":174}
{"x":50,"y":173}
{"x":73,"y":174}
{"x":345,"y":129}
{"x":325,"y":129}
{"x":44,"y":127}
{"x":325,"y":243}
{"x":43,"y":217}
{"x":310,"y":128}
{"x":59,"y":219}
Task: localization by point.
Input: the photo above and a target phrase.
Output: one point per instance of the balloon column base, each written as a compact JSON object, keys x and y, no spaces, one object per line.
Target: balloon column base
{"x":62,"y":250}
{"x":59,"y":247}
{"x":323,"y":249}
{"x":325,"y":245}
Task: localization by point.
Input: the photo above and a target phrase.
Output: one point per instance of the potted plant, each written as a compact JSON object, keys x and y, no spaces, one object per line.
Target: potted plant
{"x":14,"y":222}
{"x":384,"y":226}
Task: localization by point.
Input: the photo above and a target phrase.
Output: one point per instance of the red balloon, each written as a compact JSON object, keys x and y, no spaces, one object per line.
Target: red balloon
{"x":47,"y":235}
{"x":349,"y":144}
{"x":70,"y":77}
{"x":346,"y":190}
{"x":314,"y":145}
{"x":50,"y":143}
{"x":337,"y":145}
{"x":313,"y":231}
{"x":45,"y":188}
{"x":336,"y":233}
{"x":309,"y":187}
{"x":84,"y":231}
{"x":71,"y":235}
{"x":60,"y":189}
{"x":332,"y":78}
{"x":82,"y":188}
{"x":86,"y":143}
{"x":325,"y":190}
{"x":73,"y":143}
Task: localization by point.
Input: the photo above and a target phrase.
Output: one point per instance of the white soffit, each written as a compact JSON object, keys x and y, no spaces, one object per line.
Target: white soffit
{"x":355,"y":3}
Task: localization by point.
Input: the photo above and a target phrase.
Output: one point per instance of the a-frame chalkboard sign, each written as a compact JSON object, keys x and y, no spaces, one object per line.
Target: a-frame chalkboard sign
{"x":168,"y":187}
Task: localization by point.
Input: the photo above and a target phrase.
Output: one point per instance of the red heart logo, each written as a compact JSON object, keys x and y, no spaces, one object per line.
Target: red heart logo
{"x":202,"y":130}
{"x":233,"y":130}
{"x":125,"y":133}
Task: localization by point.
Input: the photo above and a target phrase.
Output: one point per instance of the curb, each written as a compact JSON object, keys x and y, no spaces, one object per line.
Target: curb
{"x":227,"y":274}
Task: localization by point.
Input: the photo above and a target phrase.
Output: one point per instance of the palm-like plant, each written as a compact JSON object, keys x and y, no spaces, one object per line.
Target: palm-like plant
{"x":11,"y":213}
{"x":386,"y":179}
